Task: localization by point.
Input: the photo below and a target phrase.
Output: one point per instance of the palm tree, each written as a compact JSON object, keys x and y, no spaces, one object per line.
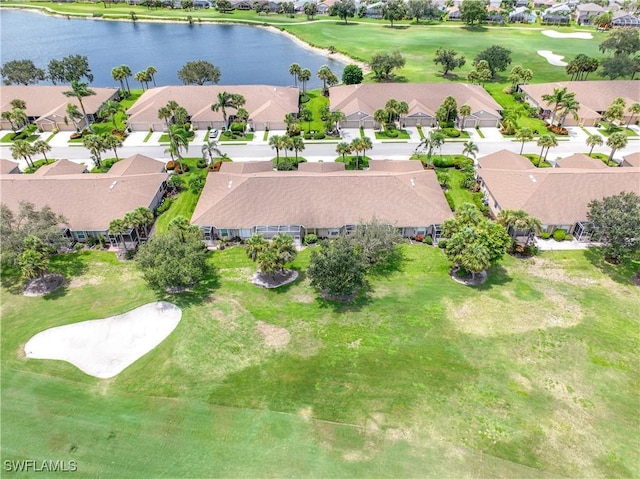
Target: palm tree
{"x":109,"y":110}
{"x":119,"y":227}
{"x":178,"y":140}
{"x":295,"y":70}
{"x":227,"y":100}
{"x":165,"y":113}
{"x":118,"y":74}
{"x":22,"y":149}
{"x":524,"y":134}
{"x":343,"y":148}
{"x":16,"y":117}
{"x":6,"y":115}
{"x":546,"y":141}
{"x":80,"y":90}
{"x":402,"y":109}
{"x":140,"y":219}
{"x":356,"y":146}
{"x":304,"y":76}
{"x":470,"y":149}
{"x":519,"y":223}
{"x":254,"y":246}
{"x":391,"y":107}
{"x":285,"y":251}
{"x":151,"y":72}
{"x":41,"y":147}
{"x":433,"y":140}
{"x":277,"y":142}
{"x":208,"y":149}
{"x":324,"y":74}
{"x":297,"y":145}
{"x":112,"y":142}
{"x":126,"y":73}
{"x":95,"y":145}
{"x":465,"y":111}
{"x":593,"y":141}
{"x":615,"y":142}
{"x":557,"y":99}
{"x":570,"y":107}
{"x":306,"y":115}
{"x":74,"y":114}
{"x":634,"y":109}
{"x":142,"y":78}
{"x":380,"y":116}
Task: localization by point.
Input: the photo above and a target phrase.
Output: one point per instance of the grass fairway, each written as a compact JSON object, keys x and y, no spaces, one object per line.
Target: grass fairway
{"x":532,"y":375}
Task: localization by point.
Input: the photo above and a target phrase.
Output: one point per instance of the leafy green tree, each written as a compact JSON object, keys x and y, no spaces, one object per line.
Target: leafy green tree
{"x":394,"y":10}
{"x":79,"y":91}
{"x":519,"y":223}
{"x":224,"y":6}
{"x":22,"y":149}
{"x":473,"y":11}
{"x":580,"y":67}
{"x":33,"y":263}
{"x":593,"y":141}
{"x":634,"y":109}
{"x":17,"y":116}
{"x":168,"y":261}
{"x":16,"y":227}
{"x":622,"y":41}
{"x":614,"y":113}
{"x":377,"y":241}
{"x":558,"y":99}
{"x":383,"y":63}
{"x":498,"y":57}
{"x":417,"y":9}
{"x":199,"y":72}
{"x":310,"y":9}
{"x":141,"y":219}
{"x":449,"y":60}
{"x":344,"y":9}
{"x":620,"y":65}
{"x":255,"y":246}
{"x":474,"y":242}
{"x":21,"y":72}
{"x":617,"y":222}
{"x":96,"y":146}
{"x":109,"y":110}
{"x":616,"y":141}
{"x":352,"y":75}
{"x":337,"y":268}
{"x":71,"y":68}
{"x":227,"y":100}
{"x":481,"y":73}
{"x":41,"y":147}
{"x":294,"y":71}
{"x":271,"y":256}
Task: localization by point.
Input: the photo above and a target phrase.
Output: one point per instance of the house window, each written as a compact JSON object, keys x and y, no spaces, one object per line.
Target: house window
{"x":224,"y":233}
{"x":81,"y":235}
{"x":334,"y":232}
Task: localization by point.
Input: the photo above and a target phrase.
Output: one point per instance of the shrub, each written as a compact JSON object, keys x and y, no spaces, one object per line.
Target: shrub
{"x":391,"y":133}
{"x":451,"y":132}
{"x":442,"y":244}
{"x":170,"y":165}
{"x":452,"y":205}
{"x":559,"y":235}
{"x":78,"y":246}
{"x":469,"y":182}
{"x":164,"y":206}
{"x":307,"y":136}
{"x":238,"y":126}
{"x":428,"y":240}
{"x":319,"y":135}
{"x":185,"y":168}
{"x":545,"y":235}
{"x":177,"y":170}
{"x":419,"y":238}
{"x":201,"y":164}
{"x":310,"y":239}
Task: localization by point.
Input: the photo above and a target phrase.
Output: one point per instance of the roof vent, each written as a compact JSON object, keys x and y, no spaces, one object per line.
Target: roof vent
{"x":113,"y":185}
{"x":229,"y":184}
{"x":413,"y":182}
{"x":532,"y":178}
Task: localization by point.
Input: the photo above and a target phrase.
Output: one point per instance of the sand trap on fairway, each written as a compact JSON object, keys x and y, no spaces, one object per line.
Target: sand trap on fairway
{"x":580,"y":36}
{"x":105,"y":347}
{"x":552,"y":58}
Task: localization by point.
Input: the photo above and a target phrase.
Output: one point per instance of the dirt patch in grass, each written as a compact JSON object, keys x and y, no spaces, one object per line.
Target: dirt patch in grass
{"x":273,"y":336}
{"x":507,"y":314}
{"x":84,"y":281}
{"x":45,"y":285}
{"x":274,"y":280}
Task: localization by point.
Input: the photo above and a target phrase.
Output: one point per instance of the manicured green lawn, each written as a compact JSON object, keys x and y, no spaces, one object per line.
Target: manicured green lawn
{"x":315,"y":104}
{"x":185,"y":203}
{"x":533,"y":374}
{"x":402,"y":135}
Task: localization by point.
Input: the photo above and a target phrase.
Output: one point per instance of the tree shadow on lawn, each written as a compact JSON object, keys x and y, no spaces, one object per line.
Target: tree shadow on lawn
{"x":286,"y":287}
{"x":197,"y":296}
{"x":497,"y":276}
{"x":621,"y":273}
{"x":475,"y":28}
{"x":361,"y":300}
{"x":393,"y":264}
{"x":397,"y":27}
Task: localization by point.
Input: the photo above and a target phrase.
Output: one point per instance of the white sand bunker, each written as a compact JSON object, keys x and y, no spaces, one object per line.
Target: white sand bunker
{"x":552,"y":58}
{"x":105,"y":347}
{"x":580,"y":36}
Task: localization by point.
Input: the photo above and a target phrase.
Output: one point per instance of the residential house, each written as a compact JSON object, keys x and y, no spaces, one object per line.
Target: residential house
{"x":89,"y":202}
{"x":374,"y":10}
{"x":594,"y":97}
{"x":267,"y":105}
{"x":327,"y":201}
{"x":453,"y":13}
{"x":8,"y":167}
{"x":558,"y":197}
{"x":359,"y":102}
{"x":559,"y":14}
{"x":47,"y":105}
{"x":580,"y":160}
{"x":522,"y":15}
{"x":586,"y":12}
{"x":632,"y":160}
{"x":622,"y":18}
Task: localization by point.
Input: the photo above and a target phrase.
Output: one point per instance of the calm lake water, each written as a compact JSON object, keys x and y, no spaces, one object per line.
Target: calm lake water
{"x":245,"y":55}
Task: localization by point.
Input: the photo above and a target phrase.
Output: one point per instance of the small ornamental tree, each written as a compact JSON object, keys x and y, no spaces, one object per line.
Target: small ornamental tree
{"x":474,"y":242}
{"x":352,"y":75}
{"x":616,"y":220}
{"x":377,"y":241}
{"x":271,"y":256}
{"x":337,"y":268}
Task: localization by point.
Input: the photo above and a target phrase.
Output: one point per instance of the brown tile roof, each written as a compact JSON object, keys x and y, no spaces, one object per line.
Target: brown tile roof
{"x":244,"y":167}
{"x":504,"y":160}
{"x":263,"y":102}
{"x":594,"y":95}
{"x":49,"y":100}
{"x":8,"y":167}
{"x":89,"y":202}
{"x":421,"y":97}
{"x":60,"y":167}
{"x":321,"y":200}
{"x":557,"y":195}
{"x":633,"y":160}
{"x":395,"y":166}
{"x":323,"y":167}
{"x":580,"y":160}
{"x":136,"y":165}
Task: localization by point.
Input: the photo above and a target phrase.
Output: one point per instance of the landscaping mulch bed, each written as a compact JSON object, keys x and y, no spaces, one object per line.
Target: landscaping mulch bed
{"x":274,"y":280}
{"x":45,"y":285}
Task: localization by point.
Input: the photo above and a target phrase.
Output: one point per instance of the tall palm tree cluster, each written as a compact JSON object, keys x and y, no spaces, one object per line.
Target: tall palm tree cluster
{"x":122,"y":74}
{"x":139,"y":220}
{"x":17,"y":116}
{"x":286,"y":143}
{"x":176,"y":118}
{"x":356,"y":146}
{"x":145,"y":76}
{"x":392,"y":112}
{"x":564,"y":103}
{"x":228,"y":100}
